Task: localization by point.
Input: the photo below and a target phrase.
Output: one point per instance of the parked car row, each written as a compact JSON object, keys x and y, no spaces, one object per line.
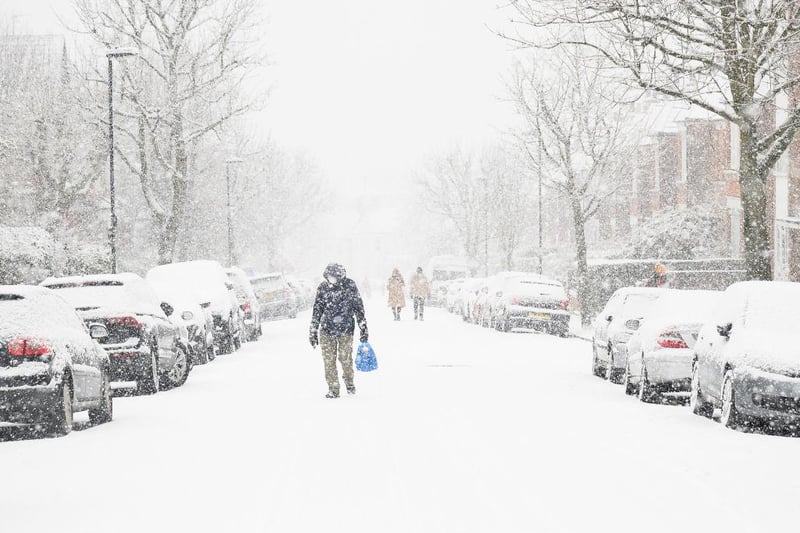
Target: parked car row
{"x":729,"y":353}
{"x":510,"y":301}
{"x":73,"y":343}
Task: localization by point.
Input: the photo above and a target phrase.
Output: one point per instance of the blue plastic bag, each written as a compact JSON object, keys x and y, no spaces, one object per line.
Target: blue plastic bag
{"x":365,"y":358}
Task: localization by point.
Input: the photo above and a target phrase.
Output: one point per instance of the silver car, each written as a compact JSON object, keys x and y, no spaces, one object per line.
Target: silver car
{"x":660,"y":353}
{"x":746,"y":358}
{"x":613,"y":328}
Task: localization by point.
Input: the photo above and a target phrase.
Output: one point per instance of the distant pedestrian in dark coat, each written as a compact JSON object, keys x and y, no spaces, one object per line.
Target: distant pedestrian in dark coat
{"x":336,"y":305}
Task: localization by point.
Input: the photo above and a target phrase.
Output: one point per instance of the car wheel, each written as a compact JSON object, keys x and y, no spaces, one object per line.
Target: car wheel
{"x":597,"y":370}
{"x":202,"y":356}
{"x":630,"y":388}
{"x":612,"y":374}
{"x":148,"y":384}
{"x":731,"y":418}
{"x":60,"y":420}
{"x":697,"y":402}
{"x":180,"y":370}
{"x":105,"y":412}
{"x":647,"y":393}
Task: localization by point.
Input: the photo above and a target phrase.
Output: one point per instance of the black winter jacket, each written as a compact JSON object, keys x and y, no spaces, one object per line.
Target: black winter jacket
{"x":334,"y":309}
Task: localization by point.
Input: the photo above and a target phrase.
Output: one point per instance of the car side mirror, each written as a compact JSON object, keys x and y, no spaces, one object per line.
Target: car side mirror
{"x":187,"y":315}
{"x":229,"y":285}
{"x":98,"y":331}
{"x":633,"y":324}
{"x":609,"y":318}
{"x":499,"y":294}
{"x":168,"y":309}
{"x":205,"y":305}
{"x":725,"y":330}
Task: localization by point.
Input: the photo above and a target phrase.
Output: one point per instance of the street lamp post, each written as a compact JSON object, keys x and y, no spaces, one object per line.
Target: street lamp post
{"x":540,"y":208}
{"x":112,"y":232}
{"x":228,"y":163}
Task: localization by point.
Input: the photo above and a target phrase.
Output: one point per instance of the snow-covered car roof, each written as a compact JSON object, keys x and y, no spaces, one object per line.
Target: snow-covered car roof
{"x":678,"y":307}
{"x":204,"y":279}
{"x":30,"y":310}
{"x":113,"y":293}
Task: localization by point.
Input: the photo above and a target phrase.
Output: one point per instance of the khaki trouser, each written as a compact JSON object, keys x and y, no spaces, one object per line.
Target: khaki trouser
{"x":341,"y":347}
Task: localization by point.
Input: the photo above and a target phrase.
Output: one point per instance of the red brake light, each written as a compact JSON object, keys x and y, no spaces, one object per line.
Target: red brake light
{"x":130,"y":321}
{"x":670,"y":338}
{"x":287,"y":293}
{"x":246,"y":307}
{"x":565,"y":304}
{"x":515,"y":300}
{"x":23,"y":347}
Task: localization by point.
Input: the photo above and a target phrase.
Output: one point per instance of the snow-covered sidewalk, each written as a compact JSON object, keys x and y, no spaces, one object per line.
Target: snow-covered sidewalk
{"x":461,"y":429}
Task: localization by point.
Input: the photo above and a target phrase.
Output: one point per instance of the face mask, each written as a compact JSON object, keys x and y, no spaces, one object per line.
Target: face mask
{"x":333,"y":280}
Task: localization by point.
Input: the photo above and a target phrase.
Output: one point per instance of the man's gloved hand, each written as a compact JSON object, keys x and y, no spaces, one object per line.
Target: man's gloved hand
{"x":364,"y":335}
{"x":313,"y":338}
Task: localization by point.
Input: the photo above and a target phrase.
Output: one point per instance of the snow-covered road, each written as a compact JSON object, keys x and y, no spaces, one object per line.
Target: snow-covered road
{"x":462,"y":429}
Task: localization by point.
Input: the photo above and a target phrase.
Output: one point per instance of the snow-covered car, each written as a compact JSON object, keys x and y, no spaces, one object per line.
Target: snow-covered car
{"x":746,"y":357}
{"x":468,"y":297}
{"x":248,"y":302}
{"x":195,"y":322}
{"x":531,"y":301}
{"x":661,"y":352}
{"x":207,"y":281}
{"x":50,"y":367}
{"x":453,"y":294}
{"x":142,"y":343}
{"x":276,"y":297}
{"x":442,"y":269}
{"x":612,"y":329}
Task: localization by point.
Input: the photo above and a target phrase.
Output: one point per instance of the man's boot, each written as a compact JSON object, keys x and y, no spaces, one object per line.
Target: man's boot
{"x":332,"y":394}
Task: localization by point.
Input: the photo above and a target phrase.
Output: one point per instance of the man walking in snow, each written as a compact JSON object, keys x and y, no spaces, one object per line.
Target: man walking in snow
{"x":332,"y":326}
{"x":420,"y":291}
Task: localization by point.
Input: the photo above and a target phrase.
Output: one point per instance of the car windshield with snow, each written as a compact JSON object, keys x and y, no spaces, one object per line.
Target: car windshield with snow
{"x":49,"y":365}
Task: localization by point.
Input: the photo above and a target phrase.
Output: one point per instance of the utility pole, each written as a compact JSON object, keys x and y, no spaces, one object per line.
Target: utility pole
{"x":228,"y":163}
{"x":112,"y":231}
{"x":539,"y":166}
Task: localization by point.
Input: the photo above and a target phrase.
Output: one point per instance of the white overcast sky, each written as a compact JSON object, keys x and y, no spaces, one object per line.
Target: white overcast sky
{"x":367,"y":87}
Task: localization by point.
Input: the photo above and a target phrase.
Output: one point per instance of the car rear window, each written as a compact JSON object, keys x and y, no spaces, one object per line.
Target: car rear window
{"x":269,"y":284}
{"x":636,"y":305}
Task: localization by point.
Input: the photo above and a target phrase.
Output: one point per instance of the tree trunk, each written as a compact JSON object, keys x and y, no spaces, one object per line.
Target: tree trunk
{"x":584,"y":294}
{"x":757,"y":251}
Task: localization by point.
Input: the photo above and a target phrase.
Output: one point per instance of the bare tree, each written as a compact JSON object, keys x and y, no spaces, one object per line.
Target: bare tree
{"x":734,"y":58}
{"x":454,"y":190}
{"x":186,"y":83}
{"x":509,"y":202}
{"x":572,"y":121}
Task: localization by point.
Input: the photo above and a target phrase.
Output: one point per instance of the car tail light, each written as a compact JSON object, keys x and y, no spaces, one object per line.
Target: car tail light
{"x":287,"y":293}
{"x":671,"y":338}
{"x":130,"y":321}
{"x":565,"y":304}
{"x":246,"y":307}
{"x":23,"y":347}
{"x":515,"y":300}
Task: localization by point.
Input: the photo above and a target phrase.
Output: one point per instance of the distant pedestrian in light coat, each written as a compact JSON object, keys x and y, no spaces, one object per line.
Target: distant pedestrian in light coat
{"x":332,"y":326}
{"x":420,"y":291}
{"x":397,"y":298}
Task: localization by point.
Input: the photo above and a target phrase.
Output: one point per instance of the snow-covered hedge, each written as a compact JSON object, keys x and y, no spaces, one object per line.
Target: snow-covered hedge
{"x":30,"y":254}
{"x":27,"y":255}
{"x":680,"y":233}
